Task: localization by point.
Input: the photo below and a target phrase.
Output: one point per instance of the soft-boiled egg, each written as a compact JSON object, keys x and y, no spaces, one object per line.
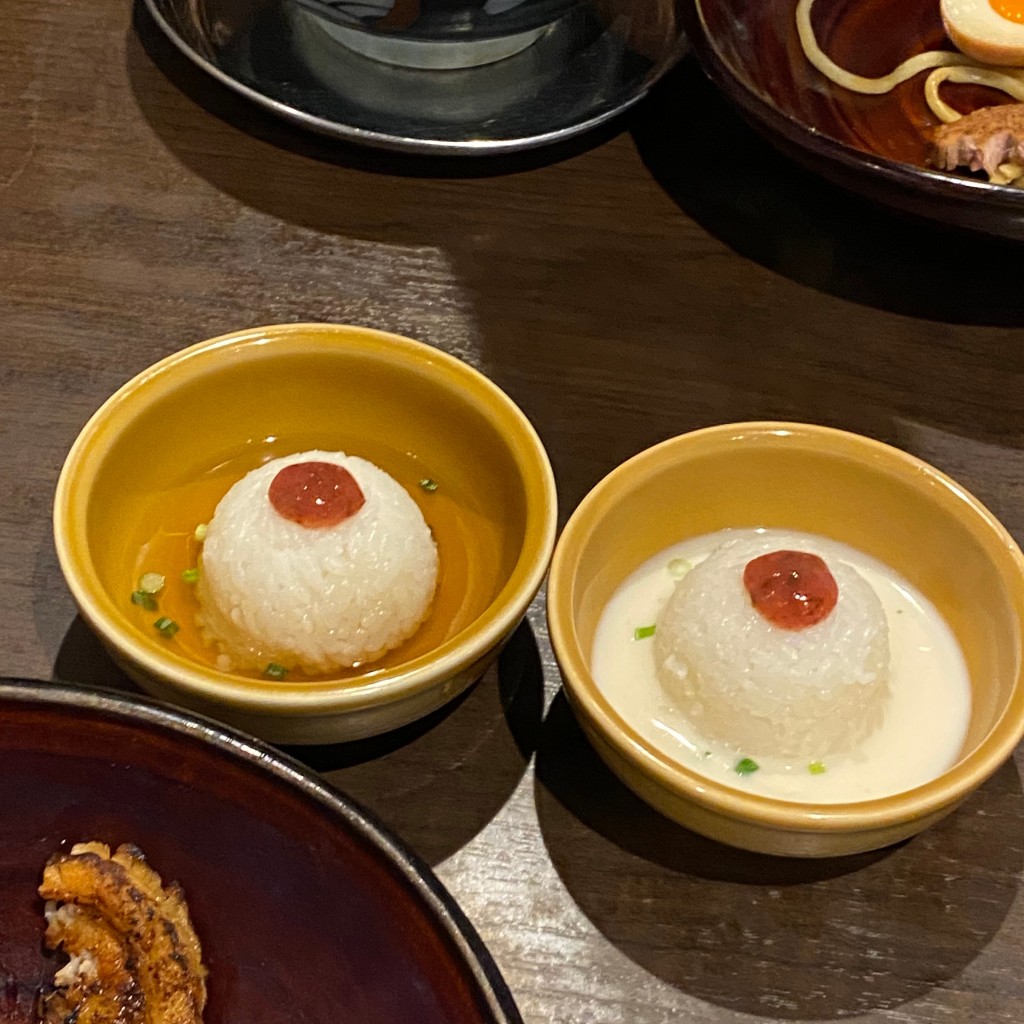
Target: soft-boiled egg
{"x":991,"y":31}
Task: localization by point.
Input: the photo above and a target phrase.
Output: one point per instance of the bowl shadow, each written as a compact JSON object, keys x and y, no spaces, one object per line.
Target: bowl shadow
{"x":439,"y":781}
{"x":768,"y":208}
{"x":436,"y":782}
{"x":83,"y":661}
{"x":783,"y":938}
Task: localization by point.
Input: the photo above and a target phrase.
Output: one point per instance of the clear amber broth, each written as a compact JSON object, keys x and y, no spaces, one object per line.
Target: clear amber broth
{"x":465,"y":586}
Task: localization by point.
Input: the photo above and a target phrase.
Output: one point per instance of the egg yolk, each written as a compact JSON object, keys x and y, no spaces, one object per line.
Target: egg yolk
{"x":1012,"y":10}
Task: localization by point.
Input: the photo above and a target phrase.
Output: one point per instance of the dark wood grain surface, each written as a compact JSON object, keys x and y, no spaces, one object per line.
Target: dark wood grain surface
{"x":669,"y":274}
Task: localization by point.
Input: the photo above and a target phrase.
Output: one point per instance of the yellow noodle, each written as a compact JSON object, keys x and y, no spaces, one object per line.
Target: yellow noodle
{"x":1008,"y":174}
{"x":946,"y":66}
{"x":1004,"y":79}
{"x":857,"y":83}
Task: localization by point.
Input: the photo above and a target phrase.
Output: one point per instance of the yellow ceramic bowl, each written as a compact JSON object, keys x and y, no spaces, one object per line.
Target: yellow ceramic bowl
{"x":157,"y":456}
{"x":874,"y":497}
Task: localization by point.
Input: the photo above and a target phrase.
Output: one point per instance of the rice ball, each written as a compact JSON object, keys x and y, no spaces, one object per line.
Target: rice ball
{"x":796,"y":693}
{"x":318,"y":598}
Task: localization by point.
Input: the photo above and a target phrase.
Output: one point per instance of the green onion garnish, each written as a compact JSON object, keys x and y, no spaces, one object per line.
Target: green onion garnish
{"x":643,"y":632}
{"x":190,"y":575}
{"x":151,"y":583}
{"x":428,"y":485}
{"x":275,"y":671}
{"x":679,"y":567}
{"x":147,"y":601}
{"x":746,"y":766}
{"x":166,"y":626}
{"x":200,"y":532}
{"x":817,"y":768}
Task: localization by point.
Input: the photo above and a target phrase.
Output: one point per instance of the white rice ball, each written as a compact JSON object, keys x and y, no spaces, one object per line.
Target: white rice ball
{"x":804,"y":693}
{"x":274,"y":591}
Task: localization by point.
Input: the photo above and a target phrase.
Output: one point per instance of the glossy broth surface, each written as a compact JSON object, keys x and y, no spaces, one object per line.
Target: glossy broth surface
{"x":166,"y":544}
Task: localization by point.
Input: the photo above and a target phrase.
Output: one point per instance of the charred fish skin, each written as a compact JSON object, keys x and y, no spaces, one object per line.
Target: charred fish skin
{"x":134,"y":956}
{"x":99,"y":982}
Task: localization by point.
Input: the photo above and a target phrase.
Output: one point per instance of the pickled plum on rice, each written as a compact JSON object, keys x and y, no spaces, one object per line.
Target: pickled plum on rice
{"x":794,"y":662}
{"x":791,"y":589}
{"x":923,"y":709}
{"x":315,"y":494}
{"x":316,"y":561}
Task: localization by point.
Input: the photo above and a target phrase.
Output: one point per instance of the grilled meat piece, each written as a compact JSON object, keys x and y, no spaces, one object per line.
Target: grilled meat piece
{"x":134,"y":955}
{"x":990,"y":139}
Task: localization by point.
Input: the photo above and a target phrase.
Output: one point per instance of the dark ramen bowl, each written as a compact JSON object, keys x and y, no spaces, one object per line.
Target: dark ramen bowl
{"x":306,"y":909}
{"x":873,"y":145}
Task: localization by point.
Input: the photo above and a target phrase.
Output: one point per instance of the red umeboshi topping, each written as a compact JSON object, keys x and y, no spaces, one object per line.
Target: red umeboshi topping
{"x":315,"y":494}
{"x":791,"y":589}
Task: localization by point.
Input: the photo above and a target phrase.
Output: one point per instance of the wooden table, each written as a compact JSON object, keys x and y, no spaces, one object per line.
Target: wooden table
{"x":670,"y":274}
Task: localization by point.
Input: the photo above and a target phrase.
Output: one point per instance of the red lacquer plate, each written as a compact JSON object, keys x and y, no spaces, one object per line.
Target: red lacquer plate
{"x":306,"y":909}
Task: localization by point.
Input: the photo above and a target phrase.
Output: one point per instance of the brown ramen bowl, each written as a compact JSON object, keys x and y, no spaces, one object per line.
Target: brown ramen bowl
{"x":874,"y":145}
{"x":305,"y":908}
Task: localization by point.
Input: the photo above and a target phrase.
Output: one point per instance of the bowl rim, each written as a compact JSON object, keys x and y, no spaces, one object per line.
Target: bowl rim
{"x":135,"y":710}
{"x":804,"y":136}
{"x":327,"y":696}
{"x":674,"y":777}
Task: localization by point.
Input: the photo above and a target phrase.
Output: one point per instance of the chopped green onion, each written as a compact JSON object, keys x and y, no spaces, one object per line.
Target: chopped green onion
{"x":707,"y":753}
{"x":200,"y":532}
{"x":428,"y":485}
{"x":817,"y":768}
{"x":140,"y":597}
{"x":166,"y":626}
{"x":190,"y":575}
{"x":746,"y":766}
{"x":643,"y":632}
{"x":275,"y":671}
{"x":151,"y":583}
{"x":679,"y":567}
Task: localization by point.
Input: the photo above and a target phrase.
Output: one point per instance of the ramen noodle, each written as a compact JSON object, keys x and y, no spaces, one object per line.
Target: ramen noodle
{"x":944,"y":65}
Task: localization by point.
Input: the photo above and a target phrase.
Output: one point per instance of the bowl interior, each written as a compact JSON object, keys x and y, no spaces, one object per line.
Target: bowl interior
{"x":305,"y":910}
{"x":755,"y":43}
{"x":823,"y":482}
{"x":157,"y":458}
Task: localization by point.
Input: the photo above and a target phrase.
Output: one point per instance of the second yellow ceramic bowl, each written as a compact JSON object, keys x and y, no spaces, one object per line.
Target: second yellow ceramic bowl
{"x":876,"y":498}
{"x":152,"y":463}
